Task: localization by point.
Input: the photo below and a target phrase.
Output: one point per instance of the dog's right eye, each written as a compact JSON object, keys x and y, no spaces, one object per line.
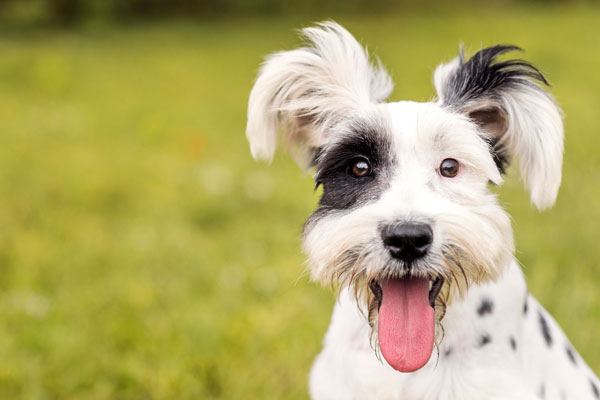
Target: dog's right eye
{"x":360,"y":168}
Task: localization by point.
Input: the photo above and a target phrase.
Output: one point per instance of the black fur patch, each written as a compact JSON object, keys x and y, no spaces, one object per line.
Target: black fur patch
{"x":542,"y":392}
{"x":525,"y":306}
{"x":595,"y":389}
{"x":513,"y":343}
{"x":486,"y":307}
{"x":484,"y":340}
{"x":545,"y":329}
{"x":341,"y":189}
{"x":483,"y":76}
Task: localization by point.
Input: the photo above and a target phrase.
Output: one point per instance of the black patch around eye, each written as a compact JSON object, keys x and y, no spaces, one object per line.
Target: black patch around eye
{"x":342,"y":189}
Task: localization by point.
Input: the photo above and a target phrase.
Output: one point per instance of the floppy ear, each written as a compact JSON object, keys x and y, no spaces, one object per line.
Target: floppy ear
{"x":521,"y":119}
{"x":304,"y":92}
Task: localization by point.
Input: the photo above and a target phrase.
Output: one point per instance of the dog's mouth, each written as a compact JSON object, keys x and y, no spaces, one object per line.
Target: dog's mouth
{"x":406,"y":322}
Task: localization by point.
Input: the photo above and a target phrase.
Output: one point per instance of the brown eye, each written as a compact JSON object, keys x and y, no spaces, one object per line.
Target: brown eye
{"x":449,"y":168}
{"x":361,"y":168}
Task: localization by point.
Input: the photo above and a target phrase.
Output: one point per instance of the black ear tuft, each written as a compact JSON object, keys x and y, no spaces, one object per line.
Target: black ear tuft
{"x":484,"y":76}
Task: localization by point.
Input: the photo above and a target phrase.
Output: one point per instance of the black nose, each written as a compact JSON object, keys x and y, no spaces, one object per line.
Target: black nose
{"x":407,"y":241}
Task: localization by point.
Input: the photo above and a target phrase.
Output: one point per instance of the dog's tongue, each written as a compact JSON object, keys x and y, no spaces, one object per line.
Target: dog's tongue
{"x":406,"y":323}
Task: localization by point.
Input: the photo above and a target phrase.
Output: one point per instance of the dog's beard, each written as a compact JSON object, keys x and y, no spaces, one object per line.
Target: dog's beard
{"x":346,"y":251}
{"x":448,"y":271}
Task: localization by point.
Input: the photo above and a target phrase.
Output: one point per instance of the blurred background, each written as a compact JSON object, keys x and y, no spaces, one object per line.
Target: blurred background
{"x":145,"y":255}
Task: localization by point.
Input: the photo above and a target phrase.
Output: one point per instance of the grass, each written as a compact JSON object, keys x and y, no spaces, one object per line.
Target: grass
{"x":143,"y":254}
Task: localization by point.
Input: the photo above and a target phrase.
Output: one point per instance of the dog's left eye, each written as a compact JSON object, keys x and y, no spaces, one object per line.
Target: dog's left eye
{"x":449,"y":168}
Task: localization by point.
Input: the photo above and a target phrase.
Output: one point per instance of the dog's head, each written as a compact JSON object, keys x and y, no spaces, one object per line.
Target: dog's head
{"x":406,"y":218}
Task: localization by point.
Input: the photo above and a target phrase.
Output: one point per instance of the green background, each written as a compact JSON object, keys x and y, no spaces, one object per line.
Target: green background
{"x":144,"y":254}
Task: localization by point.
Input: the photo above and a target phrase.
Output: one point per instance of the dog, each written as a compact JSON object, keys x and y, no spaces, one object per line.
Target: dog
{"x":432,"y":302}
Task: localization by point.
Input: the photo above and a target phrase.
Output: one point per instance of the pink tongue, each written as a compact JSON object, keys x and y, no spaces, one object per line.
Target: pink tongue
{"x":406,"y":323}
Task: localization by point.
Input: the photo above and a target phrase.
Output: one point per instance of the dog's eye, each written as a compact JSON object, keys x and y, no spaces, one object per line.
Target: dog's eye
{"x":360,"y":168}
{"x":449,"y":168}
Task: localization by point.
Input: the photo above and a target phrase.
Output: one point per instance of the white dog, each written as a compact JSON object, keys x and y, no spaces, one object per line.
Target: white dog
{"x":433,"y":304}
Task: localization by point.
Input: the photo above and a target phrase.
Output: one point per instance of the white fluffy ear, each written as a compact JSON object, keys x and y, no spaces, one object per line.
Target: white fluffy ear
{"x":506,"y":100}
{"x":304,"y":92}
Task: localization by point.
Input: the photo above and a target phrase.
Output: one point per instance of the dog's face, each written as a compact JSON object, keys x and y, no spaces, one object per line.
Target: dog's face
{"x":406,"y":218}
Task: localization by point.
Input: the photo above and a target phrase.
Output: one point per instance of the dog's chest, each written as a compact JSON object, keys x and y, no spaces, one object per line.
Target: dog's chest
{"x":497,"y":343}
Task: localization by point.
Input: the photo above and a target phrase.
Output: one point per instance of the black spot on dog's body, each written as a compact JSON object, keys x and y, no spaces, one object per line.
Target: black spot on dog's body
{"x":571,"y":354}
{"x":486,"y":307}
{"x":525,"y":306}
{"x":448,"y":352}
{"x":545,"y":329}
{"x":542,"y":392}
{"x":595,"y":389}
{"x":513,"y":343}
{"x":484,"y":340}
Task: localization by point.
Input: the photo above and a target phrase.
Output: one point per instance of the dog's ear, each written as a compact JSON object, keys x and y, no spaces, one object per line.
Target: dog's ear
{"x":302,"y":93}
{"x":520,"y":119}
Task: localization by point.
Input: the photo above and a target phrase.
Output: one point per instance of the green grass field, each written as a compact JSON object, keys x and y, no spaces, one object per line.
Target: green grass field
{"x":144,"y":254}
